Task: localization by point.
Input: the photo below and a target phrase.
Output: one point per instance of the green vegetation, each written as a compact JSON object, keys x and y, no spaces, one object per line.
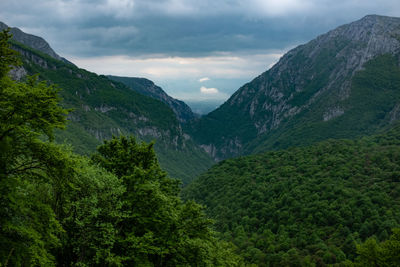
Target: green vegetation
{"x":308,"y":205}
{"x":375,"y":254}
{"x":116,"y":209}
{"x":101,"y":108}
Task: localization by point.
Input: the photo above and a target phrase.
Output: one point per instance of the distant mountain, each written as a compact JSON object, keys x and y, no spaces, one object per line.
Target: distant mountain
{"x":203,"y":107}
{"x":343,"y":84}
{"x":148,"y":88}
{"x":306,"y":206}
{"x":102,"y":107}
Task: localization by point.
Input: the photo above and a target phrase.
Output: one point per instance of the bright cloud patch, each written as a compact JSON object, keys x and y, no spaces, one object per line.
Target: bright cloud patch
{"x":204,"y":79}
{"x":121,"y":8}
{"x":208,"y":91}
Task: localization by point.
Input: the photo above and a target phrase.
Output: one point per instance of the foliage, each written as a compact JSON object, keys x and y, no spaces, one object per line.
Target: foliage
{"x":8,"y":57}
{"x":305,"y":205}
{"x":158,"y":229}
{"x":28,"y":225}
{"x":387,"y":253}
{"x":88,"y":209}
{"x":58,"y":208}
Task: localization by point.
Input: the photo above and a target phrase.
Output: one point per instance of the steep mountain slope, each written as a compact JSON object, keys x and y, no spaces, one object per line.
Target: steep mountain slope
{"x":306,"y":205}
{"x":102,"y":108}
{"x":148,"y":88}
{"x":344,"y":83}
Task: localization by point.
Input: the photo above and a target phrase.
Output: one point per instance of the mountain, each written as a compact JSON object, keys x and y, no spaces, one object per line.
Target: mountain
{"x":306,"y":206}
{"x":102,"y":108}
{"x":148,"y":88}
{"x":35,"y":42}
{"x":343,"y":84}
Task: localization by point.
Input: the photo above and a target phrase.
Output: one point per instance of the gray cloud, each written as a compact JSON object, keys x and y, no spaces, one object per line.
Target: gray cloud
{"x":182,"y":27}
{"x":177,"y":42}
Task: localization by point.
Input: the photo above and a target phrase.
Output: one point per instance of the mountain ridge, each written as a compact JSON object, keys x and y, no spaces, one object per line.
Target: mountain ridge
{"x":306,"y":78}
{"x":147,"y":87}
{"x":33,"y":41}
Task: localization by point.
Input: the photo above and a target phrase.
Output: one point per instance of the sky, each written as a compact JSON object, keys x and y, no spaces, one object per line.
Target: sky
{"x":196,"y":50}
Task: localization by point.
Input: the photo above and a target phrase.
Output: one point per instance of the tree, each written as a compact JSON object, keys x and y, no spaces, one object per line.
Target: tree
{"x":8,"y":57}
{"x":91,"y":208}
{"x":29,"y":111}
{"x":57,"y":208}
{"x":158,"y":229}
{"x":386,"y":253}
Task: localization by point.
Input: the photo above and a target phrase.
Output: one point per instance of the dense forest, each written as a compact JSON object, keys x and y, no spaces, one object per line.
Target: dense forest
{"x":306,"y":205}
{"x":116,"y":208}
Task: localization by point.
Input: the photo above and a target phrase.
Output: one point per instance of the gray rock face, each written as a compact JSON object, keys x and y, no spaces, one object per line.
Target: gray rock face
{"x":320,"y":69}
{"x":17,"y":73}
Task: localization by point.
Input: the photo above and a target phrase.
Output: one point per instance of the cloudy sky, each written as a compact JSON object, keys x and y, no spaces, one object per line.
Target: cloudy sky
{"x":194,"y":49}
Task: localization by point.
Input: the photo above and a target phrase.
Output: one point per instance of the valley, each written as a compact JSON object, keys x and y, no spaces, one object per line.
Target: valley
{"x":299,"y":167}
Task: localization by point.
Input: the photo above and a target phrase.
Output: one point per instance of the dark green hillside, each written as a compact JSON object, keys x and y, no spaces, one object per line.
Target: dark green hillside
{"x":102,"y":108}
{"x":308,"y":205}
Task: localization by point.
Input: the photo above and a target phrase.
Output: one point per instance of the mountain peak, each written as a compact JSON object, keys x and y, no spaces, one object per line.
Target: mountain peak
{"x":33,"y":41}
{"x":313,"y":84}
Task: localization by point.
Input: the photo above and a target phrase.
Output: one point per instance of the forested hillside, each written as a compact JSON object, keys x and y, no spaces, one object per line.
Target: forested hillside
{"x":308,"y":205}
{"x":101,"y":108}
{"x":117,"y":208}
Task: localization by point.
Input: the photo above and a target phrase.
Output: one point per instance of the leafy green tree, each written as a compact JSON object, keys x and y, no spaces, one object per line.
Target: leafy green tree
{"x":386,"y":253}
{"x":8,"y":57}
{"x":158,"y":229}
{"x":29,"y":111}
{"x":90,"y":209}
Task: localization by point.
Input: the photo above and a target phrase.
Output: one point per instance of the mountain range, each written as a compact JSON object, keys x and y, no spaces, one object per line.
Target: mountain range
{"x":335,"y":86}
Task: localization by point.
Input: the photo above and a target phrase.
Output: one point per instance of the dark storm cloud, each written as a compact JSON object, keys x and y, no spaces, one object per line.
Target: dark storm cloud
{"x":182,"y":27}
